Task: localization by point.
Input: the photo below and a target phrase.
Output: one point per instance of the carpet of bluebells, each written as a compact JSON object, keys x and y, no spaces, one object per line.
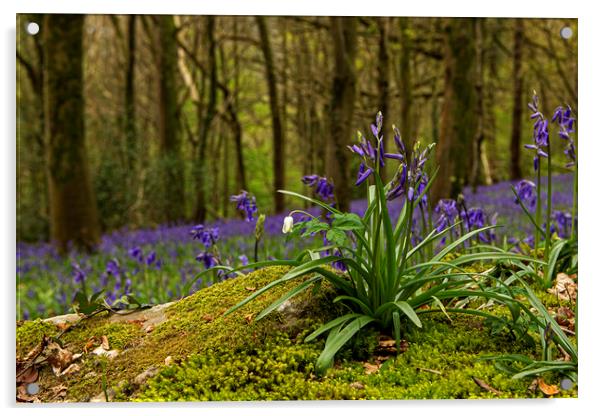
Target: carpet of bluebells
{"x":154,"y":265}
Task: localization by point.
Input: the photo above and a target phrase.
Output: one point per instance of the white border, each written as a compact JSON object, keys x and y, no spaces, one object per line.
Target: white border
{"x":590,"y":151}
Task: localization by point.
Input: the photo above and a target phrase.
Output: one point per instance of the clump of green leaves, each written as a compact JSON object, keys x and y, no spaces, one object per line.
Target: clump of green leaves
{"x":385,"y":280}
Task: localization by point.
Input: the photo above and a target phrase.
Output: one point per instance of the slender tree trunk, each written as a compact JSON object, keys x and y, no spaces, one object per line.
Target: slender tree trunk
{"x":169,"y":126}
{"x":343,"y":30}
{"x":236,"y":127}
{"x":277,"y":129}
{"x":130,"y":98}
{"x":407,"y":126}
{"x":383,"y":70}
{"x":458,"y":121}
{"x":73,"y":212}
{"x":517,"y":109}
{"x":477,"y":143}
{"x":210,"y":112}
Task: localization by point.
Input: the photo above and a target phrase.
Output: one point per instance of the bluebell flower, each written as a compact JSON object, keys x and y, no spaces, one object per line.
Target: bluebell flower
{"x":246,"y":204}
{"x":78,"y":274}
{"x":207,"y":259}
{"x":526,"y":193}
{"x":113,"y":268}
{"x":136,"y":253}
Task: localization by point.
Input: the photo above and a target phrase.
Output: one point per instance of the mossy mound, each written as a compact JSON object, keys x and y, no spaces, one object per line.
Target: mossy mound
{"x":196,"y":353}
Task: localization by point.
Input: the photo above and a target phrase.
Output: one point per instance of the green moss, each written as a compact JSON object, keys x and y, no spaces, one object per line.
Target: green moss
{"x":235,"y":358}
{"x":30,"y":333}
{"x":283,"y":370}
{"x":120,"y":335}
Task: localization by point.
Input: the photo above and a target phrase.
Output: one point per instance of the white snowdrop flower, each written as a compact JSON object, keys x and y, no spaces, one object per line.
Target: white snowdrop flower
{"x":287,"y":227}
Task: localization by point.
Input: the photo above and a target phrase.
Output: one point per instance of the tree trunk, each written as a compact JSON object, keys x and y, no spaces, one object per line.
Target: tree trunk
{"x":277,"y":129}
{"x":73,"y":212}
{"x":130,"y":98}
{"x":406,"y":85}
{"x":169,"y":128}
{"x":236,"y":127}
{"x":517,"y":109}
{"x":210,"y":112}
{"x":383,"y":73}
{"x":343,"y":31}
{"x":458,"y":120}
{"x":477,"y":145}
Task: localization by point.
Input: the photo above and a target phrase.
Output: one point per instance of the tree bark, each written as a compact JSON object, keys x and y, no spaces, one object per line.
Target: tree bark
{"x":517,"y":109}
{"x":169,"y":126}
{"x":73,"y":212}
{"x":277,"y":129}
{"x":458,"y":120}
{"x":477,"y":153}
{"x":130,"y":98}
{"x":407,"y":127}
{"x":210,"y":112}
{"x":343,"y":30}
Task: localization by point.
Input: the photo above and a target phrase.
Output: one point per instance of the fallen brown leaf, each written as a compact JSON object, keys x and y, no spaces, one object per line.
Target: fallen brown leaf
{"x":23,"y":396}
{"x":63,"y":326}
{"x":482,"y":384}
{"x":59,"y":392}
{"x":26,"y":374}
{"x":371,"y":368}
{"x":386,"y":343}
{"x":565,"y":287}
{"x":59,"y":358}
{"x":104,"y":342}
{"x":208,"y":318}
{"x":357,"y":385}
{"x":547,"y":389}
{"x":73,"y":368}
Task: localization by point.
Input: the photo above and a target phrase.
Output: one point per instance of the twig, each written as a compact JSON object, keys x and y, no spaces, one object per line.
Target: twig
{"x":428,"y":370}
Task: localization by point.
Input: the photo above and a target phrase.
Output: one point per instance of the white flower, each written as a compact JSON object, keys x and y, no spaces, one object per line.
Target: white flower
{"x":287,"y":227}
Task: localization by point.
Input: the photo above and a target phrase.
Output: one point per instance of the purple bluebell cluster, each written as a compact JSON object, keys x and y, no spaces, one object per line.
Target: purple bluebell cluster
{"x":207,"y":236}
{"x":168,"y":253}
{"x":322,"y":187}
{"x":246,"y":204}
{"x":541,"y":133}
{"x":525,"y":190}
{"x":566,"y":123}
{"x":410,"y":178}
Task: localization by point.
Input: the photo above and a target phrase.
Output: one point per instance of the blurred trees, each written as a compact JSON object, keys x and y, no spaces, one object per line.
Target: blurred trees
{"x":181,"y":112}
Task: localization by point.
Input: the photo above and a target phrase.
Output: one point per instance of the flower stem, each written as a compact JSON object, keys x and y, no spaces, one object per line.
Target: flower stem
{"x":537,"y":214}
{"x":574,"y":209}
{"x":549,"y":206}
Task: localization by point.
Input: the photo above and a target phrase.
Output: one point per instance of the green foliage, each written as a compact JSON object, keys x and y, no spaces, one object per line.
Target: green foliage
{"x":385,"y":280}
{"x":439,"y":364}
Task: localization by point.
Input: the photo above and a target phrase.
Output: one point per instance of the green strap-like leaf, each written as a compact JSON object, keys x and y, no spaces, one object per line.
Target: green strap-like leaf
{"x":288,"y":295}
{"x":329,"y":325}
{"x":407,"y":309}
{"x":554,"y":253}
{"x":312,"y":200}
{"x":334,"y":344}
